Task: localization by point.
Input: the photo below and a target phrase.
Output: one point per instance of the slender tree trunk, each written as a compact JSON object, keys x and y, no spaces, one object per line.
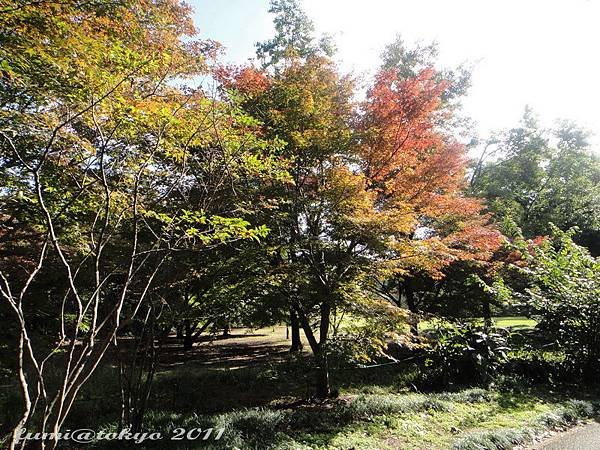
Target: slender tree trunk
{"x":188,"y":338}
{"x":295,"y":328}
{"x":322,"y":383}
{"x":323,"y":389}
{"x":226,"y":330}
{"x":193,"y":332}
{"x":322,"y":380}
{"x":202,"y":329}
{"x":412,"y":307}
{"x":145,"y":375}
{"x":487,"y":314}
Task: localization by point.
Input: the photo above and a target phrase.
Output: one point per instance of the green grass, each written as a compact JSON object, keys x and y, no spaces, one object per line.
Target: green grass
{"x":449,"y":423}
{"x":512,"y":322}
{"x":504,"y":438}
{"x":259,"y":408}
{"x":466,"y":420}
{"x":263,"y":405}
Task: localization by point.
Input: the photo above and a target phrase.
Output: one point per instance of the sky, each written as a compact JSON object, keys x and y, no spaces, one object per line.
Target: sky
{"x":541,"y":53}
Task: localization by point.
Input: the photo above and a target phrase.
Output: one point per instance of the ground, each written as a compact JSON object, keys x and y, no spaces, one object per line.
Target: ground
{"x":251,"y":386}
{"x":512,"y":322}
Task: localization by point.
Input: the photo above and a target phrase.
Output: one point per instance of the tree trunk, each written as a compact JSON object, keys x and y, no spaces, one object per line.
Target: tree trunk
{"x":487,"y":314}
{"x":226,"y":330}
{"x":322,"y":380}
{"x":295,"y":326}
{"x":188,"y":338}
{"x":323,"y":389}
{"x":412,"y":307}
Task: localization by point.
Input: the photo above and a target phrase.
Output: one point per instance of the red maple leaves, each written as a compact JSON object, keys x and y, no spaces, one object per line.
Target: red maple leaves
{"x":409,"y":159}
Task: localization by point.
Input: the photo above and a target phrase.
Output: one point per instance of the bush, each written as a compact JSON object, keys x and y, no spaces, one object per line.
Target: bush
{"x":537,"y":367}
{"x":465,"y":354}
{"x":564,"y":292}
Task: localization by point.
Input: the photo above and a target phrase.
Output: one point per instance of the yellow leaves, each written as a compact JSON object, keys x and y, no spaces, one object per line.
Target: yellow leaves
{"x":161,"y":217}
{"x":298,"y":140}
{"x":307,"y":102}
{"x":198,"y":227}
{"x":347,"y":189}
{"x":426,"y":256}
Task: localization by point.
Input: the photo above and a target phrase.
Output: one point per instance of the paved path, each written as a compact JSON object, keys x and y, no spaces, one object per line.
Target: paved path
{"x":585,"y":437}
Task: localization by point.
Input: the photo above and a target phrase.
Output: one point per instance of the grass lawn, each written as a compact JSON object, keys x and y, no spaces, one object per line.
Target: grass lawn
{"x":252,"y":387}
{"x":512,"y":322}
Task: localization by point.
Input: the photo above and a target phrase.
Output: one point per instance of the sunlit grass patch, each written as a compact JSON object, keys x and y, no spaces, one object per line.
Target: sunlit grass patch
{"x":512,"y":322}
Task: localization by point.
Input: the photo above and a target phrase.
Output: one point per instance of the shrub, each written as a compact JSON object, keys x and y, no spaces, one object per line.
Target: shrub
{"x":465,"y":354}
{"x":564,"y":291}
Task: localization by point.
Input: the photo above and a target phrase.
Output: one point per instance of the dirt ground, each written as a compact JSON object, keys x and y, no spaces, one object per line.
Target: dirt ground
{"x":243,"y":347}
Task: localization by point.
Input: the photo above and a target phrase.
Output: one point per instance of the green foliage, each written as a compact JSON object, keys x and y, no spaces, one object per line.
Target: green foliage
{"x":410,"y":61}
{"x":564,"y":291}
{"x":465,"y":354}
{"x":541,"y":176}
{"x":294,"y":35}
{"x":365,"y":328}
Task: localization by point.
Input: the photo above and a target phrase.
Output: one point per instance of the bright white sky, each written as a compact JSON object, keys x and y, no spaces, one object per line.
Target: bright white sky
{"x":542,"y":53}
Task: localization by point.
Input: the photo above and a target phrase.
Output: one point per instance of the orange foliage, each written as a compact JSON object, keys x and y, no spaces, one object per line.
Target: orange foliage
{"x":247,"y":80}
{"x":409,"y":160}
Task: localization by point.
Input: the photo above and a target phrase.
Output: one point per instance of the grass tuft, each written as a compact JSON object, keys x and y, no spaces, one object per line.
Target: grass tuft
{"x":571,"y":412}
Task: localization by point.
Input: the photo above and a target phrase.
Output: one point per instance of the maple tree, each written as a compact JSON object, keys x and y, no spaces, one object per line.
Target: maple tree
{"x":418,"y":172}
{"x":308,"y":106}
{"x":378,"y":187}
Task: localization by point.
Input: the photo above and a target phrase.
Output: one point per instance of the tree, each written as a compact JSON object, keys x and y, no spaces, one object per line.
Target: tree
{"x":542,"y":176}
{"x":564,"y":291}
{"x":417,"y":170}
{"x":109,"y":169}
{"x":325,"y":215}
{"x":294,"y":36}
{"x":379,"y":186}
{"x":308,"y":106}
